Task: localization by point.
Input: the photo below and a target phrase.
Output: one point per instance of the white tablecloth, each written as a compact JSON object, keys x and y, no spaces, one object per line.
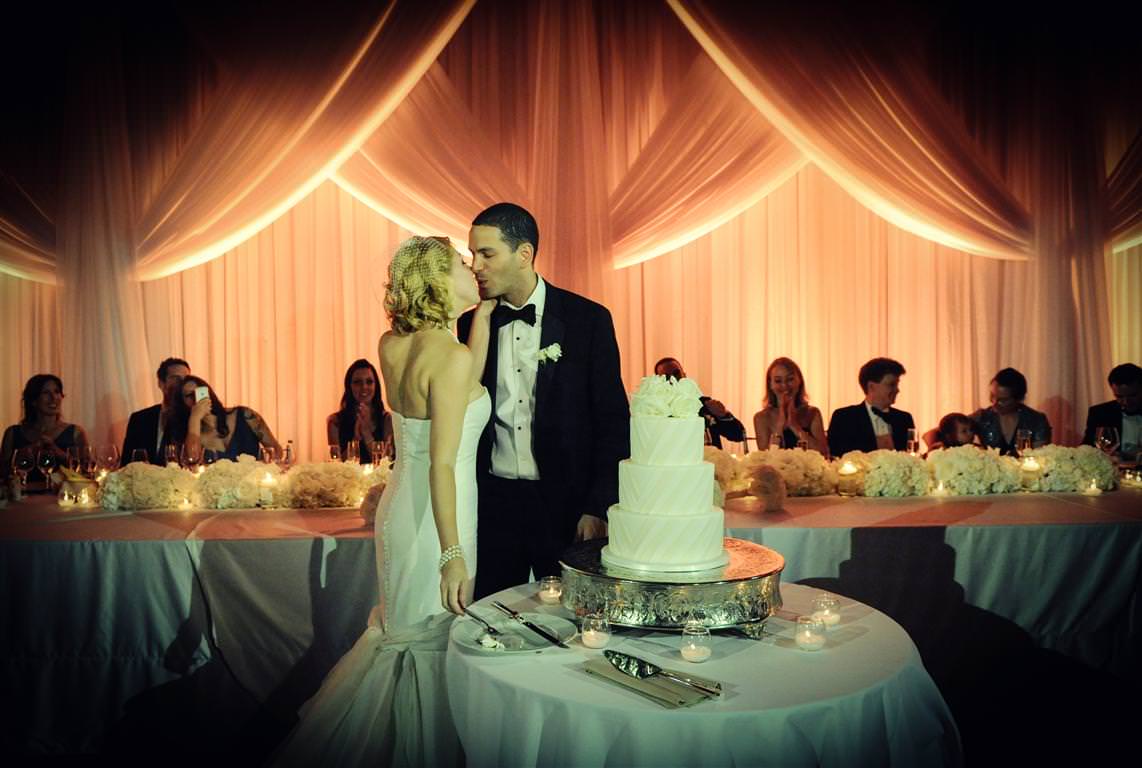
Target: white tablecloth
{"x":865,"y":699}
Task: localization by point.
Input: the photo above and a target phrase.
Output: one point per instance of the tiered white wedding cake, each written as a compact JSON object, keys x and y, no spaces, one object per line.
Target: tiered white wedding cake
{"x":665,"y":520}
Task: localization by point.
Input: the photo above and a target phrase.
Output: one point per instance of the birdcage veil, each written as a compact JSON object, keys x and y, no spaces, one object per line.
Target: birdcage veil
{"x":419,"y":291}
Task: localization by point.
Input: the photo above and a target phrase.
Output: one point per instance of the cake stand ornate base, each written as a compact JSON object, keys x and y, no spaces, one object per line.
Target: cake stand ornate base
{"x":742,"y":594}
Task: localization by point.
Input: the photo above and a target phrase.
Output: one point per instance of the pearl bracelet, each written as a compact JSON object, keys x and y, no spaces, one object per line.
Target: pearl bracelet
{"x":451,"y":553}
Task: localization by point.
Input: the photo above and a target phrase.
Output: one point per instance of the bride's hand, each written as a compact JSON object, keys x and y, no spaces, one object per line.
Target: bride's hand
{"x":452,"y":578}
{"x":484,"y":308}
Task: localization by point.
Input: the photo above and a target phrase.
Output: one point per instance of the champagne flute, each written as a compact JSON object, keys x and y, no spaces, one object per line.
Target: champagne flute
{"x":1106,"y":438}
{"x":47,"y":461}
{"x":172,"y":452}
{"x":775,"y":441}
{"x":1023,"y":441}
{"x":23,"y":462}
{"x":87,"y":461}
{"x":285,"y":459}
{"x":353,"y":451}
{"x":377,"y":451}
{"x":913,"y":441}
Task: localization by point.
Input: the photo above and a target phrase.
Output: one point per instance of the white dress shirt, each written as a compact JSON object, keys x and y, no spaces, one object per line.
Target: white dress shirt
{"x":1131,"y":431}
{"x":517,"y":363}
{"x":879,"y":425}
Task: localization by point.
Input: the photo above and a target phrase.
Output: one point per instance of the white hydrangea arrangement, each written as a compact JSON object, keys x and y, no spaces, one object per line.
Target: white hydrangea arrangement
{"x":967,"y":470}
{"x":332,"y":484}
{"x":806,"y":473}
{"x":227,"y":484}
{"x":666,"y":396}
{"x":729,"y":480}
{"x":889,"y":473}
{"x":1066,"y":469}
{"x":145,"y":486}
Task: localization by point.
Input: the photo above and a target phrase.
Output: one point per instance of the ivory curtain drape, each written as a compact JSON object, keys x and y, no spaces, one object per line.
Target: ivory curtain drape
{"x":1124,"y":199}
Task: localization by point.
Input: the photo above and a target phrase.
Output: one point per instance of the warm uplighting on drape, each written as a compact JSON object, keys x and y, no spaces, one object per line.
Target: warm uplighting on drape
{"x":27,"y":235}
{"x":1124,"y":199}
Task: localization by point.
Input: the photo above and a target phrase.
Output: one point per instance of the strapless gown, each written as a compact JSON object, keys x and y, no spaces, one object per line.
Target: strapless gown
{"x":385,"y":702}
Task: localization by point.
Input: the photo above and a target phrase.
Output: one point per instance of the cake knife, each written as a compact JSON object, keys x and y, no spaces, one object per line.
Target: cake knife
{"x":533,"y":627}
{"x":642,"y":669}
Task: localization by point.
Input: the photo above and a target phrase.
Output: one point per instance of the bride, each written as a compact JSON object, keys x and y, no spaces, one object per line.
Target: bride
{"x":384,"y":701}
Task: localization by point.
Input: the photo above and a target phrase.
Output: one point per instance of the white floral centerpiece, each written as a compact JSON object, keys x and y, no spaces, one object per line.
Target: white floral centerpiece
{"x":145,"y":486}
{"x":227,"y":484}
{"x":728,"y":478}
{"x":967,"y":470}
{"x":1073,"y":469}
{"x":889,"y":473}
{"x":806,"y":473}
{"x":332,"y":484}
{"x":666,"y":396}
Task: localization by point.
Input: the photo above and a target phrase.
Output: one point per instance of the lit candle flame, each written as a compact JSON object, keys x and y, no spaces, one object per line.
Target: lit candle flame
{"x":848,"y":468}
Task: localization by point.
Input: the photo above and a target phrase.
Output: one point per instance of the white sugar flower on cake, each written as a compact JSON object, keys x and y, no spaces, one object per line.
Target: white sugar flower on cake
{"x":666,"y":396}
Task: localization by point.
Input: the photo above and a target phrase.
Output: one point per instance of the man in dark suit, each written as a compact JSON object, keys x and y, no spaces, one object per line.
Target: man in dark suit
{"x":145,"y":427}
{"x":874,"y":423}
{"x":548,"y":460}
{"x":1123,"y":413}
{"x":720,"y":423}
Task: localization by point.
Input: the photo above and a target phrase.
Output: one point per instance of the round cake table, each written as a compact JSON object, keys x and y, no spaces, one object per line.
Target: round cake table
{"x":864,"y":699}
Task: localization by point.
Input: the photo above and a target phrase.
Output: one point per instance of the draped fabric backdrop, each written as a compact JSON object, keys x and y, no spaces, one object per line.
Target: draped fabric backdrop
{"x":826,"y":198}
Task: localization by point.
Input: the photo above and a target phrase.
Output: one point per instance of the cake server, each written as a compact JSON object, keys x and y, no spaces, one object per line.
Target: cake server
{"x":642,"y":669}
{"x":530,"y":625}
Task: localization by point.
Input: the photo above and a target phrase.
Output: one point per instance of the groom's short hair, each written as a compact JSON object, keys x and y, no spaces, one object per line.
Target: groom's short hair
{"x":516,"y":224}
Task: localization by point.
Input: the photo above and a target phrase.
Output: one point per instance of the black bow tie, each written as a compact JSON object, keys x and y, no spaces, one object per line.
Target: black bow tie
{"x":880,"y":413}
{"x":503,"y":314}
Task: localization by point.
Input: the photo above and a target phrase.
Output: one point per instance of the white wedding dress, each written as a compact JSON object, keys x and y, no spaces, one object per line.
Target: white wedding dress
{"x":385,"y":702}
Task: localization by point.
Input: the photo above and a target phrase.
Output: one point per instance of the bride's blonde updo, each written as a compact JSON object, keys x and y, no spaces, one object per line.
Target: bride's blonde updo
{"x":419,"y":292}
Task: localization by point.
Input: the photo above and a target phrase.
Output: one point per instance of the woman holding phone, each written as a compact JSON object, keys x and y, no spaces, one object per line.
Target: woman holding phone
{"x":202,"y":421}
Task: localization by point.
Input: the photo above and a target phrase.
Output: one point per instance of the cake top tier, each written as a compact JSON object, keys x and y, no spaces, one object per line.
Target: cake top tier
{"x":666,"y":396}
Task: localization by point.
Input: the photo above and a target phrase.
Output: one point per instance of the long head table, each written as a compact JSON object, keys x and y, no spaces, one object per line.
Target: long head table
{"x":104,"y":610}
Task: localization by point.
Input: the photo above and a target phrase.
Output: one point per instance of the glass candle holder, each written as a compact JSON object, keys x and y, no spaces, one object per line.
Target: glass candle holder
{"x":1029,"y":471}
{"x":848,"y":479}
{"x":550,"y":590}
{"x":810,"y":633}
{"x":827,"y":608}
{"x":695,"y":645}
{"x":595,"y":630}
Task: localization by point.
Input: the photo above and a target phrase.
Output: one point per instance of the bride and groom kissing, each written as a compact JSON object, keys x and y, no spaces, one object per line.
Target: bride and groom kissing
{"x":520,"y":418}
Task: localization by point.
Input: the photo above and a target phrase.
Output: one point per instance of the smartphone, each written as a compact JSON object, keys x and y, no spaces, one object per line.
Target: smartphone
{"x":200,"y":394}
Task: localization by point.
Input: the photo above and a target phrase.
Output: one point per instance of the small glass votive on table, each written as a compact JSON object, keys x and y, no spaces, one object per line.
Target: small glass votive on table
{"x":696,"y":642}
{"x":827,"y":608}
{"x":595,"y":630}
{"x":810,"y":633}
{"x":550,"y":590}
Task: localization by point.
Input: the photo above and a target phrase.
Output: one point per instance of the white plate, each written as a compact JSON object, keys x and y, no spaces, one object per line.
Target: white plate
{"x":516,"y":637}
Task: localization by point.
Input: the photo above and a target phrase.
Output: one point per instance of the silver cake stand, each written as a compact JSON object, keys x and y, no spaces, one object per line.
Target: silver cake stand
{"x":743,"y":593}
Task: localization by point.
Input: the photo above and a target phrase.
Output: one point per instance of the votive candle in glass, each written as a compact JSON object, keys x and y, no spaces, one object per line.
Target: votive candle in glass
{"x":827,"y":608}
{"x":550,"y":590}
{"x":810,"y":633}
{"x":595,"y":630}
{"x":696,"y":642}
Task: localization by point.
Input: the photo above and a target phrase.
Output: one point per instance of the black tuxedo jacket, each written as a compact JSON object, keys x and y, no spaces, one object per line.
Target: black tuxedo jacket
{"x":1108,"y":414}
{"x":142,"y":432}
{"x":581,"y":424}
{"x":850,"y":429}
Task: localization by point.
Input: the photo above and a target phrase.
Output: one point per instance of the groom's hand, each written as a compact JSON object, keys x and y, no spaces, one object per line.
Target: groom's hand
{"x":590,"y":527}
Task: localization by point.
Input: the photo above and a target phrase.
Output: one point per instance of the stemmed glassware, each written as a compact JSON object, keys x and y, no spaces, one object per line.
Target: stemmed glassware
{"x":1023,"y":442}
{"x":191,"y":457}
{"x":23,"y":462}
{"x":914,"y":441}
{"x":47,"y":461}
{"x":1106,"y":438}
{"x":377,"y":451}
{"x":335,"y":453}
{"x":353,"y":451}
{"x":140,"y":454}
{"x":171,"y":453}
{"x":107,"y":457}
{"x":86,"y":461}
{"x":268,"y":454}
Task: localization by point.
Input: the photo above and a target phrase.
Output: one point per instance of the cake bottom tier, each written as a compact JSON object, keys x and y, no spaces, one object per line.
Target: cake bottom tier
{"x":675,"y":543}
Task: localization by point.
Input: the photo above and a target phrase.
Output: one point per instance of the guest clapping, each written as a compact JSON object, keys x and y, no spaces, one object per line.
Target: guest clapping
{"x":204,"y":422}
{"x":999,"y":426}
{"x":874,"y":423}
{"x":787,"y":412}
{"x":362,"y":417}
{"x":42,"y":428}
{"x":720,"y":423}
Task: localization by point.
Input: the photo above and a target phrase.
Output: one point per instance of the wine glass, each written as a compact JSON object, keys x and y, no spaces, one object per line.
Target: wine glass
{"x":913,"y":441}
{"x":73,"y":458}
{"x":209,"y":456}
{"x":1023,"y":441}
{"x":88,"y":463}
{"x":140,"y":454}
{"x":107,"y":457}
{"x":191,"y":457}
{"x":285,"y":458}
{"x":335,"y":453}
{"x":171,"y":453}
{"x":47,"y":461}
{"x":23,"y":462}
{"x":1106,"y":438}
{"x":377,"y":451}
{"x":353,"y":451}
{"x":775,"y":442}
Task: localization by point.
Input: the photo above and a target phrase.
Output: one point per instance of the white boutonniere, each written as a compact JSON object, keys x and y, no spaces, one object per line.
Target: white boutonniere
{"x":551,"y":352}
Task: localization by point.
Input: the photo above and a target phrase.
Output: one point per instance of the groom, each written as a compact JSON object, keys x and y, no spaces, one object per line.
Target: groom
{"x":548,"y":461}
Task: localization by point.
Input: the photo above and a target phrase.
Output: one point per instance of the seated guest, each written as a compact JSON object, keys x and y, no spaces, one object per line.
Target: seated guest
{"x":362,"y":416}
{"x":1123,"y":413}
{"x":998,"y":425}
{"x":955,"y":429}
{"x":146,"y":428}
{"x":720,"y":423}
{"x":209,"y":424}
{"x":874,"y":423}
{"x":42,"y":427}
{"x":787,"y":412}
